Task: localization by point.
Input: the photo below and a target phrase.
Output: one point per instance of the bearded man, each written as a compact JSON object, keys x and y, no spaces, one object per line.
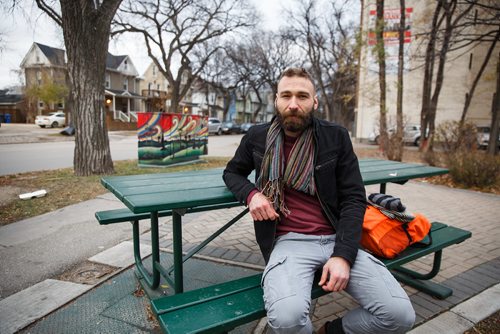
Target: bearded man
{"x":308,"y":203}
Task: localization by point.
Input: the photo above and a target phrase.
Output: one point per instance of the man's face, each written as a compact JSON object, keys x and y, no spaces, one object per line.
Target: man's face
{"x":295,"y":103}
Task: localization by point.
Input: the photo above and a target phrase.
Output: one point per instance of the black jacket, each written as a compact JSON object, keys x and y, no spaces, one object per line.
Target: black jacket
{"x":338,"y":180}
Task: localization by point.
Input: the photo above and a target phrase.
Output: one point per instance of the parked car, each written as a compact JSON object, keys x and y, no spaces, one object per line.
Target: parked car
{"x":411,"y":135}
{"x":214,"y":126}
{"x":54,"y":120}
{"x":231,"y":127}
{"x":483,"y":136}
{"x":246,"y":126}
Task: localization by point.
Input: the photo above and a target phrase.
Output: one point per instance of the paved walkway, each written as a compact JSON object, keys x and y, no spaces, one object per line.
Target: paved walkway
{"x":472,"y":269}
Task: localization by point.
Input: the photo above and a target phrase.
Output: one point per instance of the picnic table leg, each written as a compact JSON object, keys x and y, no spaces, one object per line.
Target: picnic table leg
{"x":152,"y":280}
{"x":421,"y":281}
{"x":383,"y":188}
{"x":155,"y":249}
{"x":177,"y":245}
{"x":436,"y":266}
{"x":205,"y":242}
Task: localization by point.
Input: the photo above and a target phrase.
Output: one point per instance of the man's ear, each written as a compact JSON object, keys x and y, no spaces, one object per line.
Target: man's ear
{"x":316,"y":103}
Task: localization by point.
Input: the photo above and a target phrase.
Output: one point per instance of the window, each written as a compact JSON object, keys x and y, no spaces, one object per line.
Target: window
{"x":154,"y":70}
{"x":107,"y":80}
{"x":125,"y":84}
{"x":126,"y":65}
{"x":40,"y":104}
{"x":39,"y":77}
{"x":60,"y":105}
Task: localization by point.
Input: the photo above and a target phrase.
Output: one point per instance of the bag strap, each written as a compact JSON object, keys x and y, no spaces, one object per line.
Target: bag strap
{"x":419,"y":244}
{"x":405,"y":228}
{"x":422,"y":244}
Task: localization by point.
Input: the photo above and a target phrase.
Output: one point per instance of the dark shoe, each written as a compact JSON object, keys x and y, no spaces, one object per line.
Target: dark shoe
{"x":332,"y":327}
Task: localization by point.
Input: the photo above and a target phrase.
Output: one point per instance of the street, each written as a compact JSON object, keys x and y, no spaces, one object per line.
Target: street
{"x":28,"y":148}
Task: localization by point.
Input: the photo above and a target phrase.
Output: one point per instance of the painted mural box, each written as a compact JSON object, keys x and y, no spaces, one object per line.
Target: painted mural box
{"x":166,"y":139}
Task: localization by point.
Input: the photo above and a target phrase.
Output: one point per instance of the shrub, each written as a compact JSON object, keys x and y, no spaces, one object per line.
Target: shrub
{"x":433,"y":158}
{"x":473,"y":168}
{"x":452,"y":138}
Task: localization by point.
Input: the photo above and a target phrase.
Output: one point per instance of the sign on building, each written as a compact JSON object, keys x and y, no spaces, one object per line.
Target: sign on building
{"x":391,"y":39}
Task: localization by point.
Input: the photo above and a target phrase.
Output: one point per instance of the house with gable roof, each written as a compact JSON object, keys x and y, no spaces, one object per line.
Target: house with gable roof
{"x":45,"y":64}
{"x":122,"y":88}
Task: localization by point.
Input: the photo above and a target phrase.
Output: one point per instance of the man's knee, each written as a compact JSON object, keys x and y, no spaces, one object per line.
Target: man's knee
{"x":288,"y":313}
{"x":399,"y":316}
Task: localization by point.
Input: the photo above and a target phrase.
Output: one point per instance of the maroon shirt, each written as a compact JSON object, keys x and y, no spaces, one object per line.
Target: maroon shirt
{"x":306,"y":216}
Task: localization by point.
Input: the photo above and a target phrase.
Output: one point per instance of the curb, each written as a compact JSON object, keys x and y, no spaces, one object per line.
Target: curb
{"x":465,"y":315}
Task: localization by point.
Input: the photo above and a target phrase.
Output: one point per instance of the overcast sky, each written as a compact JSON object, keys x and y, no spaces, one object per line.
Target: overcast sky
{"x":20,"y":31}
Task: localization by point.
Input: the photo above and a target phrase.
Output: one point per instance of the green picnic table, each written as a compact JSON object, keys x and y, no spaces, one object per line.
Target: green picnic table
{"x":222,"y":307}
{"x":154,"y":195}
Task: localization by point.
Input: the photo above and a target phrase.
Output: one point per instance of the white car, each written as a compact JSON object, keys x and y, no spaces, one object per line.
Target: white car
{"x":411,"y":135}
{"x":483,"y":136}
{"x":53,"y":119}
{"x":214,"y":126}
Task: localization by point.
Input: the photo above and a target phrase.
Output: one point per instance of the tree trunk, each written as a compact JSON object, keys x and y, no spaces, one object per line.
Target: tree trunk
{"x":259,"y":106}
{"x":396,"y":145}
{"x":381,"y":74}
{"x":86,"y":32}
{"x":431,"y":114}
{"x":428,"y":76}
{"x":495,"y":117}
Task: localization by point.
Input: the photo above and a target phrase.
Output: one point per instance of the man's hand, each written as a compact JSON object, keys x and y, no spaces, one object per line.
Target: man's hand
{"x":261,"y":208}
{"x":335,"y":274}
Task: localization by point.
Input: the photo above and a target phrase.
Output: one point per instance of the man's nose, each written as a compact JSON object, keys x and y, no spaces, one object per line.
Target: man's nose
{"x":293,"y":103}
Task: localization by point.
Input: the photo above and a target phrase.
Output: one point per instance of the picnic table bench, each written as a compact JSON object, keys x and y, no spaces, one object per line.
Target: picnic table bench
{"x":222,"y":307}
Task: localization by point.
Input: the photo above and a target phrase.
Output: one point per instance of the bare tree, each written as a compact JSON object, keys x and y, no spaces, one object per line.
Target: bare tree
{"x":250,"y":65}
{"x":482,"y":27}
{"x":273,"y":53}
{"x":245,"y":73}
{"x":448,"y":16}
{"x":256,"y":64}
{"x":86,"y":26}
{"x":215,"y":75}
{"x":327,"y":40}
{"x":380,"y":52}
{"x":341,"y":61}
{"x":174,"y":30}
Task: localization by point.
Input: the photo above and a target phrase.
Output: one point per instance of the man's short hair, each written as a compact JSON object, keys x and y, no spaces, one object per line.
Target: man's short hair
{"x":296,"y":72}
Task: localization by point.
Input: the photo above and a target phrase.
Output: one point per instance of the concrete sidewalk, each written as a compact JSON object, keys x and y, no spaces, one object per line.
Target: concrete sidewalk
{"x":472,"y":268}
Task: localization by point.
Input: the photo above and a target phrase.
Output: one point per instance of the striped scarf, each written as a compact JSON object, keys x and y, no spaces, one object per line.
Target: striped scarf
{"x":298,"y":172}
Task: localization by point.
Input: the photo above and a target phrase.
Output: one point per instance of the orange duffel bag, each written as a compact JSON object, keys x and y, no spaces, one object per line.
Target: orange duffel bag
{"x":386,"y":237}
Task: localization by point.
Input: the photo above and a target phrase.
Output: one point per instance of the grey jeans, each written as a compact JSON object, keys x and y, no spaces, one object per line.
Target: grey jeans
{"x":288,"y":277}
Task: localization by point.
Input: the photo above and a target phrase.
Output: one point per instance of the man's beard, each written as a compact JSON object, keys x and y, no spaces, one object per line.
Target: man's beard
{"x":298,"y":123}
